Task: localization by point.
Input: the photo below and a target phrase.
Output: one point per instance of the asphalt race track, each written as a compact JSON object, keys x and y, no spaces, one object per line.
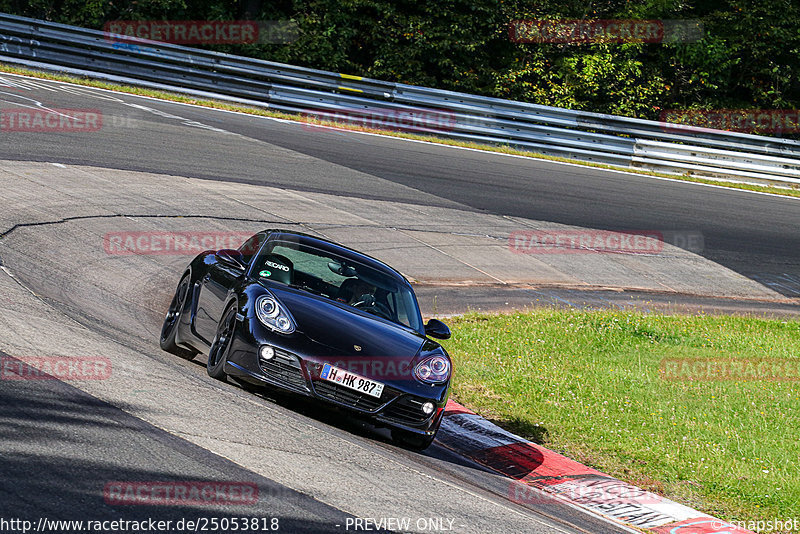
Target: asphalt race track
{"x":158,"y":165}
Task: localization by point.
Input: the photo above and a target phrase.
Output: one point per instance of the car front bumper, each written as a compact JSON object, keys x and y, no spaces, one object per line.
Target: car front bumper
{"x":295,"y":369}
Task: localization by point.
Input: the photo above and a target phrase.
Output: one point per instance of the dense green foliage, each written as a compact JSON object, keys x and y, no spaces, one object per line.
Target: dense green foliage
{"x":746,"y":59}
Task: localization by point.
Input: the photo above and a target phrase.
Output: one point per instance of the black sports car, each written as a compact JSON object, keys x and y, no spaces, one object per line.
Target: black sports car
{"x":306,"y":315}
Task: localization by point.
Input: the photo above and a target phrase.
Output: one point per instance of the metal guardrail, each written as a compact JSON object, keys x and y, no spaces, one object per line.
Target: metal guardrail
{"x":567,"y":133}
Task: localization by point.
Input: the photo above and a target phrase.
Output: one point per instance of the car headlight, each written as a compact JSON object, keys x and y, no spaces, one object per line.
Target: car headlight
{"x":273,"y":315}
{"x":433,"y":370}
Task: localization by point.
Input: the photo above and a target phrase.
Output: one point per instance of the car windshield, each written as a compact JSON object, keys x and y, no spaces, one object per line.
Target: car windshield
{"x":340,"y":279}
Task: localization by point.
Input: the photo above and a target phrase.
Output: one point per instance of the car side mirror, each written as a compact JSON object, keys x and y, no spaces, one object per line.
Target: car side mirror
{"x":436,"y":328}
{"x":231,"y":258}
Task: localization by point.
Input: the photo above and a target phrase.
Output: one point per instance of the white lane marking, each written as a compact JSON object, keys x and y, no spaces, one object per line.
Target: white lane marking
{"x":28,"y":84}
{"x":36,"y":105}
{"x":184,"y":121}
{"x":40,"y":85}
{"x":81,"y":90}
{"x":8,"y":83}
{"x":17,"y":280}
{"x":78,"y":90}
{"x":72,"y":91}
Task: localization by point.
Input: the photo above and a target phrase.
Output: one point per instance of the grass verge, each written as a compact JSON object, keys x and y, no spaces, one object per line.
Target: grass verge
{"x":791,"y":191}
{"x":588,"y":384}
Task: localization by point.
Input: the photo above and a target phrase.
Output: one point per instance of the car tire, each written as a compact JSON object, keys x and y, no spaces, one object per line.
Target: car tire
{"x":218,"y":354}
{"x":173,"y":319}
{"x":410,"y":440}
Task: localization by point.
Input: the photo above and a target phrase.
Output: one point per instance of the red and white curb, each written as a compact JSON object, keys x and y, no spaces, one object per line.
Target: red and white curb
{"x":538,"y":474}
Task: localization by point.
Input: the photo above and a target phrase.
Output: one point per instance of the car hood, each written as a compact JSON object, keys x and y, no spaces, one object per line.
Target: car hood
{"x":341,"y":329}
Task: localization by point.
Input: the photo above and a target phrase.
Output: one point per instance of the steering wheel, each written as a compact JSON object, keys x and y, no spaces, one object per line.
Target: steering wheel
{"x":369,"y":304}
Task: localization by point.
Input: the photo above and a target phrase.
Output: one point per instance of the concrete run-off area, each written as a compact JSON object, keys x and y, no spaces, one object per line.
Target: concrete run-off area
{"x":66,"y":214}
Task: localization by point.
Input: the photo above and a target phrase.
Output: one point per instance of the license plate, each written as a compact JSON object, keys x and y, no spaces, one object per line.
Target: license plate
{"x":351,"y":381}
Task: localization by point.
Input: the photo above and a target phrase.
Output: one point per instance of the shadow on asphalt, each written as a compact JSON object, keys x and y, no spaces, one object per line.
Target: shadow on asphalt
{"x":61,"y":447}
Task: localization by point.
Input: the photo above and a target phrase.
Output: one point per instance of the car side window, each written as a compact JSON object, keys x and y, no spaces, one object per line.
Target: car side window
{"x":251,"y":247}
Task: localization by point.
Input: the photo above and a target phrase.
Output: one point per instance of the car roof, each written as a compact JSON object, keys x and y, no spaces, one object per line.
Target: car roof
{"x":336,"y":248}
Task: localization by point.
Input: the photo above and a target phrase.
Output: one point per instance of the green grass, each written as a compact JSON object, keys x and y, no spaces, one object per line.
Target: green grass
{"x":587,"y":384}
{"x":791,"y":190}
